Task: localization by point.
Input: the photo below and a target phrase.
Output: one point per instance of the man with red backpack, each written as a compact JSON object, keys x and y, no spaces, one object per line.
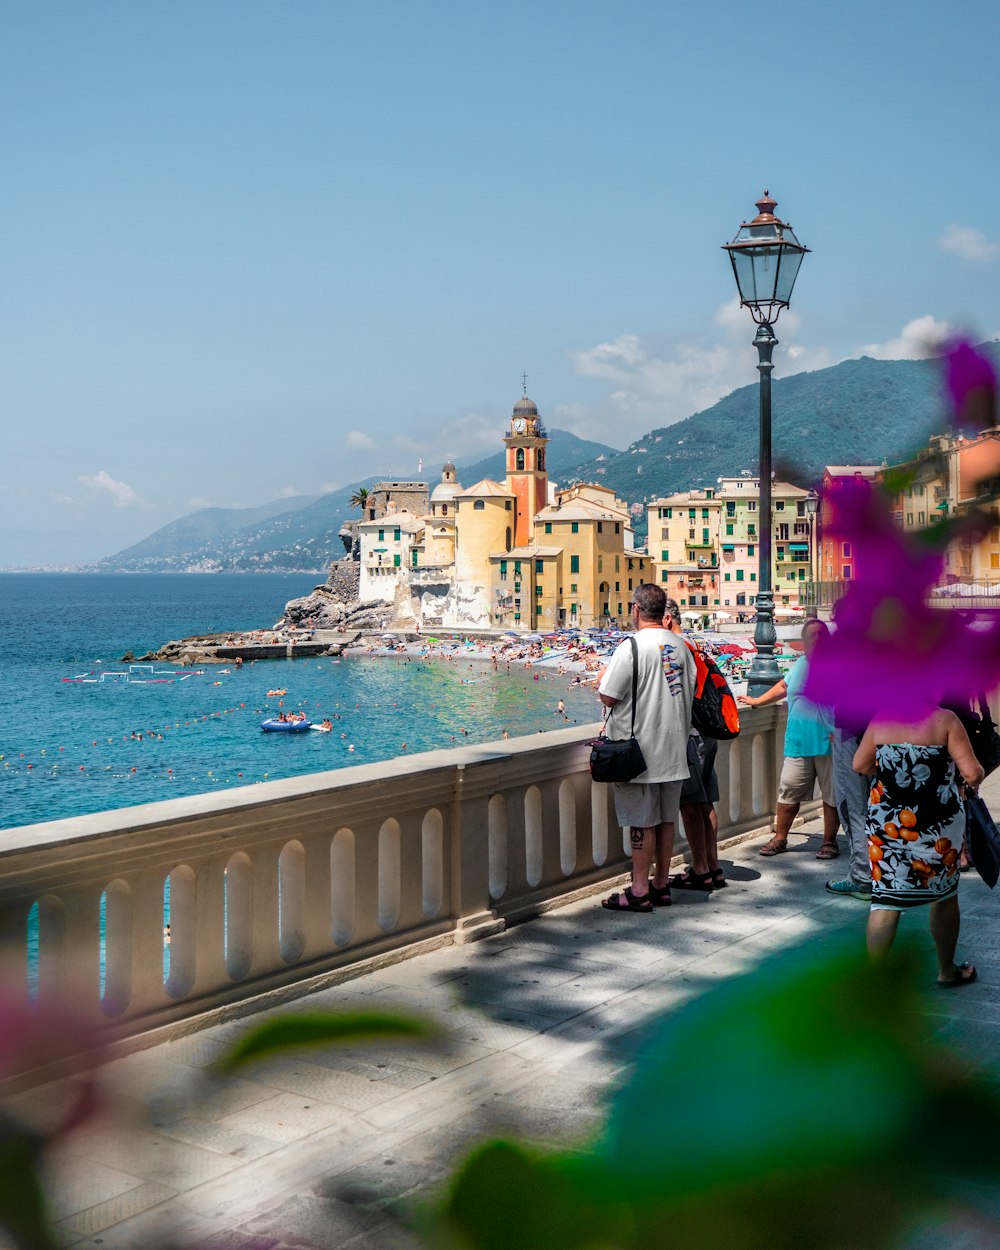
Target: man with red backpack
{"x":701,"y":790}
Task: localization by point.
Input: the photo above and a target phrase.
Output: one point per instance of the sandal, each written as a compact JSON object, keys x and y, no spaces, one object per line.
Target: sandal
{"x":625,"y":900}
{"x":691,"y":880}
{"x":775,"y":847}
{"x":719,"y":879}
{"x":659,"y":896}
{"x":957,"y":982}
{"x":829,"y":850}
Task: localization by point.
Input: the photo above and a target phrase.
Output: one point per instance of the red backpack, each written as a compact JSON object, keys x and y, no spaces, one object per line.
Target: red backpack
{"x":714,"y":712}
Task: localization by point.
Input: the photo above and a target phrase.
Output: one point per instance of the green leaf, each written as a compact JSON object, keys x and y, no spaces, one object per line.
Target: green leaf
{"x":506,"y":1197}
{"x":318,"y":1028}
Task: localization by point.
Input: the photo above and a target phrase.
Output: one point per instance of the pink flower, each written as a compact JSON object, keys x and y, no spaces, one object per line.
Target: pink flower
{"x":971,"y":382}
{"x":892,"y":653}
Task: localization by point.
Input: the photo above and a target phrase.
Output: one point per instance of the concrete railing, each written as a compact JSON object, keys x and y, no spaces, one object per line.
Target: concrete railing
{"x":274,"y":886}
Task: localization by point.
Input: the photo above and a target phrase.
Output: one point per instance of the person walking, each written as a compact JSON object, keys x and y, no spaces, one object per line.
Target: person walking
{"x":807,"y":751}
{"x":648,"y":805}
{"x":916,"y":825}
{"x":699,"y":794}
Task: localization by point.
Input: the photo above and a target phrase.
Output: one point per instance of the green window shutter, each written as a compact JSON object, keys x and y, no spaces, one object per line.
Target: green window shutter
{"x":574,"y":563}
{"x":750,"y":549}
{"x":517,"y":568}
{"x":503,"y":569}
{"x":575,"y":527}
{"x":396,"y":560}
{"x":739,"y":575}
{"x":704,"y":536}
{"x":381,"y":536}
{"x":539,"y":566}
{"x":395,"y":534}
{"x":664,"y":555}
{"x":663,"y":575}
{"x":729,"y":529}
{"x":548,"y":527}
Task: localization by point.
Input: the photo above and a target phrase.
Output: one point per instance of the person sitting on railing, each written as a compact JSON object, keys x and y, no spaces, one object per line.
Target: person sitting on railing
{"x":808,"y":756}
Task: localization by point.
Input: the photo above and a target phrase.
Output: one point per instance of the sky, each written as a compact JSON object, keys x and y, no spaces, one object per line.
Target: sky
{"x":259,"y":249}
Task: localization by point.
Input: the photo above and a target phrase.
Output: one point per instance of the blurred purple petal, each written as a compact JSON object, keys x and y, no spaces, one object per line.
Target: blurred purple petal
{"x":971,"y":382}
{"x":892,"y":654}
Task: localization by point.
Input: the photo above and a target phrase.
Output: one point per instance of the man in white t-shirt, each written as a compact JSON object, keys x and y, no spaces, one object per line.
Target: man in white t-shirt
{"x":648,"y":805}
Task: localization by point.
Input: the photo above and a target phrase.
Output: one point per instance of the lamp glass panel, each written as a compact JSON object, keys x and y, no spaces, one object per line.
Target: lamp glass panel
{"x":743,"y":266}
{"x":787,"y":273}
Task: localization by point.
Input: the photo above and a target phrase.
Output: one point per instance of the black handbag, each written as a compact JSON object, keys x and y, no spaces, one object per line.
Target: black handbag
{"x":619,"y":760}
{"x":985,"y":739}
{"x":982,"y":840}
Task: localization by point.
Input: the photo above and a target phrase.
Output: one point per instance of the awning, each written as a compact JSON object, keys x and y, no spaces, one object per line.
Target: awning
{"x":728,"y":546}
{"x":798,"y":546}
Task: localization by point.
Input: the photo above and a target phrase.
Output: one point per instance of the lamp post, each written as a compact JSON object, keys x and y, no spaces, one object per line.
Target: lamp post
{"x":812,"y":511}
{"x":766,"y":257}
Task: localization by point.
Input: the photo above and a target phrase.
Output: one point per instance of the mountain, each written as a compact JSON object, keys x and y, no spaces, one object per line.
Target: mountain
{"x":299,"y":534}
{"x":857,"y":412}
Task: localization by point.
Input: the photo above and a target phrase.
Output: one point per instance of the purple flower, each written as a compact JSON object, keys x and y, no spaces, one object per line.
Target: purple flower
{"x":893,"y":654}
{"x":971,"y":382}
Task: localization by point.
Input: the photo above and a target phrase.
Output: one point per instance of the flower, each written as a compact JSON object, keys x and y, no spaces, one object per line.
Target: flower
{"x":893,"y":654}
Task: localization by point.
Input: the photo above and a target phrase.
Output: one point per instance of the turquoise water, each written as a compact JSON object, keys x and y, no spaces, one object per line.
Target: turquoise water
{"x":68,"y":747}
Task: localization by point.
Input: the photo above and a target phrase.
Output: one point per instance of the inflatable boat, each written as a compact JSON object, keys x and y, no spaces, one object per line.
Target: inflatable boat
{"x":286,"y":726}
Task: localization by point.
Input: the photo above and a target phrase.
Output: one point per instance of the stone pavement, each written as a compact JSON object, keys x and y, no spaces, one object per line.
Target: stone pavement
{"x":330,"y":1148}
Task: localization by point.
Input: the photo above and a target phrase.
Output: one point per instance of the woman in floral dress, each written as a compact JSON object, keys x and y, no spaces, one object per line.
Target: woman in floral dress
{"x":916,"y":824}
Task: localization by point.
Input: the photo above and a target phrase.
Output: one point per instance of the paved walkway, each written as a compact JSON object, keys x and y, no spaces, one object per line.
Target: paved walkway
{"x":325,"y":1149}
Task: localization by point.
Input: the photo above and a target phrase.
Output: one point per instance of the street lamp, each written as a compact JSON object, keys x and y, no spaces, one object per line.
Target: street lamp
{"x":766,"y":257}
{"x":812,"y":511}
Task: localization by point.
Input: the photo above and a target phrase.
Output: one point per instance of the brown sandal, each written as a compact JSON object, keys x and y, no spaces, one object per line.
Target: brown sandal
{"x":829,"y":850}
{"x":774,"y":847}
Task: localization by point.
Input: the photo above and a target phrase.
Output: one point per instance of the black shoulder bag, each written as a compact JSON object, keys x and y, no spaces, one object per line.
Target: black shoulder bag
{"x":985,"y":739}
{"x":982,"y":840}
{"x":622,"y":760}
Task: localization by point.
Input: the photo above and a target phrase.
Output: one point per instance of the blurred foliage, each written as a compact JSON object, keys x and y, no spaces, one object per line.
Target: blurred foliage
{"x":806,"y":1104}
{"x":319,"y":1028}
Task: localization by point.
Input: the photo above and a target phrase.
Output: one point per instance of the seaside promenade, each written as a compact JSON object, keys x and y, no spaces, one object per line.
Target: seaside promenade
{"x":333,"y":1148}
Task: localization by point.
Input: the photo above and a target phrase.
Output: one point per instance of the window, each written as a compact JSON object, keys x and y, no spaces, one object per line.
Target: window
{"x":670,"y":513}
{"x":753,"y":577}
{"x":600,"y":564}
{"x":663,"y":575}
{"x":618,"y":564}
{"x":574,"y":564}
{"x":541,"y":458}
{"x":664,"y":555}
{"x":704,"y":536}
{"x":507,"y":544}
{"x":664,"y":533}
{"x":729,"y":531}
{"x":444,"y":509}
{"x":704,"y":514}
{"x":692,"y":513}
{"x":751,"y":505}
{"x":539,"y":566}
{"x":845,"y":550}
{"x":751,"y":550}
{"x":909,"y":518}
{"x":396,"y":560}
{"x":920,"y":490}
{"x":517,"y":568}
{"x":801,"y":527}
{"x":538,"y":592}
{"x":479,"y":505}
{"x":395,"y":535}
{"x":548,"y":527}
{"x":783,"y":531}
{"x":691,"y":536}
{"x":994,"y":560}
{"x":618,"y":587}
{"x":784,"y":598}
{"x":503,"y":570}
{"x":739,"y":575}
{"x":381,"y":536}
{"x":845,"y":572}
{"x":517,"y":589}
{"x":630,"y":583}
{"x":921,"y":517}
{"x":574,"y":527}
{"x":600,"y":527}
{"x":618,"y":527}
{"x":781,"y":553}
{"x":751,"y":530}
{"x":519,"y":459}
{"x":731,"y":507}
{"x":619,"y":609}
{"x":414,"y":557}
{"x":741,"y":601}
{"x":727,"y":577}
{"x":572,"y":589}
{"x":508,"y":504}
{"x":802,"y":575}
{"x":779,"y":505}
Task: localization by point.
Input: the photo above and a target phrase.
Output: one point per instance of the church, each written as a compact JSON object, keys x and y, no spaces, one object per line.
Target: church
{"x":519,"y":554}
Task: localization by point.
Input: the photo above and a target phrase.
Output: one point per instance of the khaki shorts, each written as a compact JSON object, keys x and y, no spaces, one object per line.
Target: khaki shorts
{"x":800,"y":772}
{"x":645,"y":804}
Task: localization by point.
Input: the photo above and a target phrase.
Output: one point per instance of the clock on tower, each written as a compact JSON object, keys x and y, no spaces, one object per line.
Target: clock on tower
{"x":527,"y":478}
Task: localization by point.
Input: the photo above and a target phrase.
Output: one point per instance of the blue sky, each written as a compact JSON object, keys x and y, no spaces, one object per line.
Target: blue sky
{"x":255,"y":248}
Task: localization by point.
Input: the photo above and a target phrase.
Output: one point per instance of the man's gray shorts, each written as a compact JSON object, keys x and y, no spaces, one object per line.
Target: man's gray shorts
{"x":642,"y":805}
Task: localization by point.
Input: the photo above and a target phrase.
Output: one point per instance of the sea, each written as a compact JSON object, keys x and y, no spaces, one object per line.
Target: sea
{"x":85,"y":731}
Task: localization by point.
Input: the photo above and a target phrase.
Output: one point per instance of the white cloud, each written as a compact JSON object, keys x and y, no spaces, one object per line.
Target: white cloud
{"x":920,"y":337}
{"x":969,"y":243}
{"x":358,"y":441}
{"x":665,"y":382}
{"x":56,"y":497}
{"x":287,"y":492}
{"x":327,"y":487}
{"x":122,"y":495}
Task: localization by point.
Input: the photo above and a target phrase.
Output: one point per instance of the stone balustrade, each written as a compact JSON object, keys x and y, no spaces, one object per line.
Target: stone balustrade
{"x":275,"y":887}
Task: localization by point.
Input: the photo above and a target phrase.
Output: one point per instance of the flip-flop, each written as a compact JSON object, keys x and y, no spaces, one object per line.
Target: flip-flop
{"x":614,"y":901}
{"x":777,"y":846}
{"x":960,"y":980}
{"x":829,"y":850}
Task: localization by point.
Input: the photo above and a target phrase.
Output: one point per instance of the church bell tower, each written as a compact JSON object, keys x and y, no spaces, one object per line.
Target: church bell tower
{"x":527,"y":478}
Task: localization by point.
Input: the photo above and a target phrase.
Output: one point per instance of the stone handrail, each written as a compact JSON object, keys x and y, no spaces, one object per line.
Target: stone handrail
{"x":274,"y":887}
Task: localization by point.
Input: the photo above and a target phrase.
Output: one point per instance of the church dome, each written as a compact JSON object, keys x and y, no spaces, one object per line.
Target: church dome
{"x":525,"y":407}
{"x":449,"y":486}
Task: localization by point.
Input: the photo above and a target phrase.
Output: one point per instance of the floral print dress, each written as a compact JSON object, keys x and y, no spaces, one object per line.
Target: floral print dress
{"x":916,"y":823}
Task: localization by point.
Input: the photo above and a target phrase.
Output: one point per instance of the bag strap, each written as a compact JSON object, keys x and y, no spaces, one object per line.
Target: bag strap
{"x":635,"y":679}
